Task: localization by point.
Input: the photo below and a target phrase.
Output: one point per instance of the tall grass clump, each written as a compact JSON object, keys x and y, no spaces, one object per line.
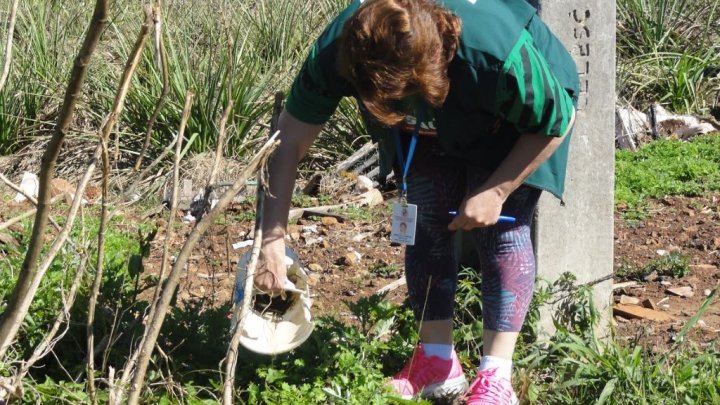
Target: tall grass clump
{"x":668,"y":52}
{"x":222,"y":50}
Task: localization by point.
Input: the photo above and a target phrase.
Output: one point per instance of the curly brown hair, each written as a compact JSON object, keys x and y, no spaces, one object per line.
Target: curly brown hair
{"x":392,"y":49}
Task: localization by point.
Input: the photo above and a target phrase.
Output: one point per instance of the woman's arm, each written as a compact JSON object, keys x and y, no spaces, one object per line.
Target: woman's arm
{"x":482,"y":207}
{"x":295,"y":139}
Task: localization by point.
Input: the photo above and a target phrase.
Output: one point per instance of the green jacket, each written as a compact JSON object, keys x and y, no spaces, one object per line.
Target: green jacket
{"x":510,"y":75}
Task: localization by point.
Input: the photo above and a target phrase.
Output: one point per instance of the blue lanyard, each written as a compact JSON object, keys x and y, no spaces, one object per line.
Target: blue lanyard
{"x":419,"y":112}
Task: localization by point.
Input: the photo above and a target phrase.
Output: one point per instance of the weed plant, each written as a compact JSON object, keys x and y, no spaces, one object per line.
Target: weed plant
{"x":666,"y":167}
{"x":674,"y":264}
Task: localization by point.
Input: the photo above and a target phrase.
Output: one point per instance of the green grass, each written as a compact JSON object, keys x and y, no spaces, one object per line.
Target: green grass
{"x":666,"y":167}
{"x":674,"y":264}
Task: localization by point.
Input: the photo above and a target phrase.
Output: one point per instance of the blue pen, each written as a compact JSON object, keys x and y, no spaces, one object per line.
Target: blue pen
{"x":502,"y":219}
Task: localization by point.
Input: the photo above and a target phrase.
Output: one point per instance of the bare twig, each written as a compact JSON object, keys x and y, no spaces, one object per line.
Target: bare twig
{"x":9,"y":43}
{"x":223,"y":122}
{"x":23,"y":293}
{"x":27,"y":213}
{"x":175,"y":192}
{"x":105,"y":132}
{"x":155,"y":323}
{"x":241,"y":312}
{"x":161,"y":59}
{"x":119,"y":387}
{"x":218,"y":157}
{"x":52,"y":337}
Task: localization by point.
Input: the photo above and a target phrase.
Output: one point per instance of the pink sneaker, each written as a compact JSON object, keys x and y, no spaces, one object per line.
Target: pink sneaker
{"x":430,"y":377}
{"x":491,"y":389}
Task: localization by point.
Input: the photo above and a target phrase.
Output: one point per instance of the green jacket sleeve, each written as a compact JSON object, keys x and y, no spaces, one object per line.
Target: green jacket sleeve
{"x":318,"y":88}
{"x":312,"y":99}
{"x":529,"y":96}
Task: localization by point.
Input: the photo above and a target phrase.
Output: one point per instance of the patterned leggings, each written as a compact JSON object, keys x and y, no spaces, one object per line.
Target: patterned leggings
{"x":438,"y":183}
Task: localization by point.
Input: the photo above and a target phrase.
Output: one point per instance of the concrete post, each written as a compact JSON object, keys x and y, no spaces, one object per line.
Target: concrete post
{"x":578,"y":237}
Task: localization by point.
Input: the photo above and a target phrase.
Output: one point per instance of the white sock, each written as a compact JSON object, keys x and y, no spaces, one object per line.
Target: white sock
{"x":504,"y":366}
{"x":438,"y":349}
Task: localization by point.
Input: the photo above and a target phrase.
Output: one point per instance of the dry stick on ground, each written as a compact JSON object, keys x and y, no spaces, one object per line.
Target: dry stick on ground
{"x":50,"y":339}
{"x":241,"y":312}
{"x":9,"y":43}
{"x":178,"y":269}
{"x":23,"y":294}
{"x":105,"y":132}
{"x":161,"y":57}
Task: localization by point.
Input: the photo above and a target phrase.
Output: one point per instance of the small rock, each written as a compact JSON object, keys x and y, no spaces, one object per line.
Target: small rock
{"x":364,"y":184}
{"x":314,"y":278}
{"x":707,"y":293}
{"x":682,"y":291}
{"x":624,"y":299}
{"x":652,"y":276}
{"x":648,"y":303}
{"x":350,"y":293}
{"x":665,"y":306}
{"x":665,"y":283}
{"x":349,"y":259}
{"x":326,"y":244}
{"x":661,"y":252}
{"x":313,"y":241}
{"x":308,"y":229}
{"x":702,"y":324}
{"x":294,"y":235}
{"x":360,"y":237}
{"x":315,"y":267}
{"x":329,"y":221}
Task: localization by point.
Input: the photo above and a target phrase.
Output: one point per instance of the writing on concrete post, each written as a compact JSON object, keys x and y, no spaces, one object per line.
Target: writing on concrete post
{"x":577,"y":236}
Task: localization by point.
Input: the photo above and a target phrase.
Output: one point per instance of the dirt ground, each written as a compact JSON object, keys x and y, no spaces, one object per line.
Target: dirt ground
{"x":352,"y":257}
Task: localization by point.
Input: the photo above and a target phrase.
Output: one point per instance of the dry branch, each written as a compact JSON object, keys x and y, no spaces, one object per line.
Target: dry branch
{"x":218,"y":157}
{"x":30,"y":273}
{"x":161,"y":59}
{"x":241,"y":312}
{"x":9,"y":43}
{"x":105,"y":132}
{"x":117,"y":391}
{"x":52,"y":337}
{"x":155,"y":323}
{"x":175,"y":192}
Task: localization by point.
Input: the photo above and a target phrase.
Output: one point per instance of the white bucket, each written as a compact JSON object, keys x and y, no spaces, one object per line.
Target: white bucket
{"x":276,"y":325}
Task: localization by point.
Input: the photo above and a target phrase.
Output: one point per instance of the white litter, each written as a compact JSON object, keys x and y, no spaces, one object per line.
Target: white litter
{"x":30,"y":185}
{"x":242,"y":244}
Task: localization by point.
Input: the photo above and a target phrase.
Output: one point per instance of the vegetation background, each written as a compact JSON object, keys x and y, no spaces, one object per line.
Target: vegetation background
{"x":668,"y":52}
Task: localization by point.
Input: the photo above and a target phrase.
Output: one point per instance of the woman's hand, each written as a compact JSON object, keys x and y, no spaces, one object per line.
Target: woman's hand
{"x":478,"y":210}
{"x":271,"y":272}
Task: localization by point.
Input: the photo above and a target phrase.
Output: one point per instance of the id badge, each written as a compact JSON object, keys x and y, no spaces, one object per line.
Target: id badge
{"x":404,"y":221}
